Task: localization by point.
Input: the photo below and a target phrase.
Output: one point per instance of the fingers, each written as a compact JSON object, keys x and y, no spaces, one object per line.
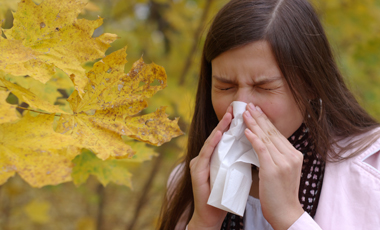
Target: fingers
{"x":264,"y":155}
{"x":266,"y":139}
{"x":268,"y":131}
{"x":280,"y":166}
{"x":212,"y":141}
{"x":215,"y":136}
{"x":260,"y":140}
{"x":230,"y":110}
{"x":206,"y":216}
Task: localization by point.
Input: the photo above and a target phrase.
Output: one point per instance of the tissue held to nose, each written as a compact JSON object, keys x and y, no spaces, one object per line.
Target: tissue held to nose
{"x":230,"y":168}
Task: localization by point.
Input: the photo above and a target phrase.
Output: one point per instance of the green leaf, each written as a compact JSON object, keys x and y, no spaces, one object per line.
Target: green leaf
{"x":110,"y":170}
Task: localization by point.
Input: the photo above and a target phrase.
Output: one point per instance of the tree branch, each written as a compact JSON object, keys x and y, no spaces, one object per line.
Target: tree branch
{"x":101,"y":192}
{"x":144,"y":196}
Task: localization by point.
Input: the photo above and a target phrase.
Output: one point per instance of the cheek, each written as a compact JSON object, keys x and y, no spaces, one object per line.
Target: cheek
{"x":220,"y":106}
{"x":272,"y":112}
{"x":285,"y":117}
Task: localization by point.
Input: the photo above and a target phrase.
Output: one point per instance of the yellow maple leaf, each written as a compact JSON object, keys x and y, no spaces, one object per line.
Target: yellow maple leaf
{"x":30,"y":98}
{"x":110,"y":88}
{"x":30,"y":147}
{"x":5,"y":5}
{"x":112,"y":98}
{"x":102,"y":141}
{"x":154,"y":128}
{"x":7,"y":111}
{"x":49,"y":35}
{"x":48,"y":91}
{"x":52,"y":91}
{"x":19,"y":60}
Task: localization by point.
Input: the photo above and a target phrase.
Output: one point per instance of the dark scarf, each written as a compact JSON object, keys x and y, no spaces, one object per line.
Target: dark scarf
{"x":311,"y":178}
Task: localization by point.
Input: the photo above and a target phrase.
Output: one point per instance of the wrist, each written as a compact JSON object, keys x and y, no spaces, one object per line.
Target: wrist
{"x":288,"y":219}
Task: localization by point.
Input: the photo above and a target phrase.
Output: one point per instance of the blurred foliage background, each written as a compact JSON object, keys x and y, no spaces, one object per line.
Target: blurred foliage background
{"x":171,"y":33}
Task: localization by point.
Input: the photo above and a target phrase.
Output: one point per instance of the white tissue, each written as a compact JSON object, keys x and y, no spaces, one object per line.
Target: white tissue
{"x":230,"y":168}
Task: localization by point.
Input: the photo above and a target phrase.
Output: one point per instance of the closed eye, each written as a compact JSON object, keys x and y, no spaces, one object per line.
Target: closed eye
{"x":226,"y":88}
{"x":268,"y":89}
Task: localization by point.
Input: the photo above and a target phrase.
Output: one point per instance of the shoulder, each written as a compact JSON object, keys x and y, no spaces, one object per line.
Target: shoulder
{"x":370,"y":157}
{"x":365,"y":152}
{"x":174,"y":177}
{"x":361,"y":146}
{"x":351,"y":185}
{"x":360,"y":163}
{"x":176,"y":173}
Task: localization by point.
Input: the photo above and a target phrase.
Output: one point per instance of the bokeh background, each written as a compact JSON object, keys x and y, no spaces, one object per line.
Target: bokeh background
{"x":171,"y":33}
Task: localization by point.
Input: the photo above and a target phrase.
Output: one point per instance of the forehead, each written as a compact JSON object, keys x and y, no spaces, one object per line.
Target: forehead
{"x":253,"y":61}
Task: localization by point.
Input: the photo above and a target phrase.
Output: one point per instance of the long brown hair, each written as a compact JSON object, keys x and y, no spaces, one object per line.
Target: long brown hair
{"x":302,"y":51}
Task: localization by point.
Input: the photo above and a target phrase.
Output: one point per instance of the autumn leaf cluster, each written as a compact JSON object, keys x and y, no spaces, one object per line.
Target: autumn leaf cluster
{"x":43,"y":134}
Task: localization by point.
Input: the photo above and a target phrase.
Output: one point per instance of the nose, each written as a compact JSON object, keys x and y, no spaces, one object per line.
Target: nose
{"x":243,"y":95}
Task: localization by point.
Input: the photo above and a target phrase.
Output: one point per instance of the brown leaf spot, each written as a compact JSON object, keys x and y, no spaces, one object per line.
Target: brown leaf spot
{"x":42,"y":25}
{"x":149,"y":123}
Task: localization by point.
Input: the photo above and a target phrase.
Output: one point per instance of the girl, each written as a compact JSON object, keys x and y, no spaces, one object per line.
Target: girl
{"x":318,"y":149}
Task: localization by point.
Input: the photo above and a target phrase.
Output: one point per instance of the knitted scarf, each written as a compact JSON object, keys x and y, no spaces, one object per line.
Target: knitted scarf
{"x":311,"y":178}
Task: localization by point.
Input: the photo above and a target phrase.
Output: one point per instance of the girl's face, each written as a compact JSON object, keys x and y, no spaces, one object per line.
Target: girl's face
{"x":250,"y":74}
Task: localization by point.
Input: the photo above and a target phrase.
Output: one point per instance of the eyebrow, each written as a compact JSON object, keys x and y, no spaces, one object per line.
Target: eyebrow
{"x":224,"y":80}
{"x":259,"y":82}
{"x":267,"y":80}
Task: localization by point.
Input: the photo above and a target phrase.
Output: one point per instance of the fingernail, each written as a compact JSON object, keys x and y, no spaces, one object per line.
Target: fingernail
{"x":258,"y":109}
{"x":248,"y":131}
{"x":252,"y":106}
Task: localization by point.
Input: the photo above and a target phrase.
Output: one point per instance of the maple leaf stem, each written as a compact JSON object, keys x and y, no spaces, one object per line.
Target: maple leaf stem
{"x":3,"y":87}
{"x":36,"y":111}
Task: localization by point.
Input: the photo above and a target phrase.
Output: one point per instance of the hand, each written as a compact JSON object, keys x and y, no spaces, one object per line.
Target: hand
{"x":206,"y":216}
{"x":280,"y":170}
